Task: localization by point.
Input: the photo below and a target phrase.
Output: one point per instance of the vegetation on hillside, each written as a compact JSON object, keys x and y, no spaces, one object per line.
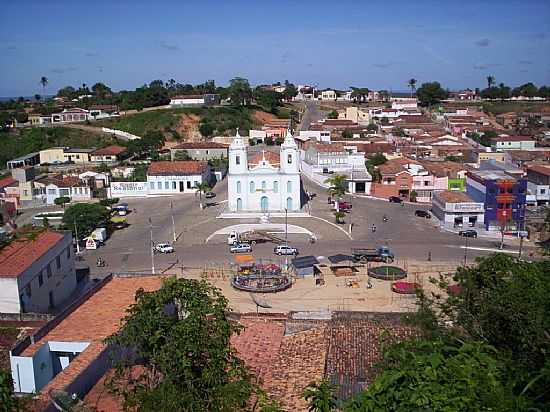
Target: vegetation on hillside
{"x":22,"y":142}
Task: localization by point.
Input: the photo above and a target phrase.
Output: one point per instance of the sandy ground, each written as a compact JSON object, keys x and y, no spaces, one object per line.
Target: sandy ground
{"x":188,"y":127}
{"x":334,"y":295}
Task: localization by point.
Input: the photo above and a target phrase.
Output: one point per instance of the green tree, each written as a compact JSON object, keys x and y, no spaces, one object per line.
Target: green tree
{"x":8,"y":401}
{"x":412,"y":85}
{"x":339,"y":216}
{"x":320,"y":397}
{"x":269,"y":141}
{"x":44,"y":83}
{"x":338,"y":185}
{"x":372,"y":127}
{"x":347,"y":134}
{"x":269,"y":100}
{"x":333,"y":115}
{"x":37,"y":97}
{"x":207,"y":129}
{"x":440,"y":375}
{"x":431,"y":93}
{"x":504,"y":303}
{"x":359,"y":94}
{"x":109,"y":202}
{"x":61,"y":201}
{"x":239,"y":91}
{"x":86,"y":216}
{"x":490,"y":81}
{"x":180,"y":339}
{"x":202,"y":188}
{"x":67,"y":92}
{"x":101,"y":91}
{"x":290,"y":91}
{"x":413,"y":195}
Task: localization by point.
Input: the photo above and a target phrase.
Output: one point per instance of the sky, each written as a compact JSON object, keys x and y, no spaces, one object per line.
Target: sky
{"x":337,"y":43}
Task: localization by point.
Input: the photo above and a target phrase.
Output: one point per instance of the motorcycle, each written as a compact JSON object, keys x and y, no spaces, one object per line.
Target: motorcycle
{"x":100,"y":263}
{"x":373,"y":228}
{"x":385,"y":218}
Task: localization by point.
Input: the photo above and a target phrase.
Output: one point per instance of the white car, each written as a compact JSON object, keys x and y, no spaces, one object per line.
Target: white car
{"x":240,"y":248}
{"x":285,"y":250}
{"x":164,"y":248}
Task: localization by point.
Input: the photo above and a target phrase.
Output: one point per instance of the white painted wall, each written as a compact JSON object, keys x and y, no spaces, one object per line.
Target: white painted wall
{"x":61,"y":283}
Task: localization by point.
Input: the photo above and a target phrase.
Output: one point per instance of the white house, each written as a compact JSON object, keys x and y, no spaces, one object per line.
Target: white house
{"x":328,"y":95}
{"x":181,"y":176}
{"x":322,"y":136}
{"x":512,"y":143}
{"x":50,"y":188}
{"x":266,"y":181}
{"x":320,"y":161}
{"x":37,"y":274}
{"x":194,"y":100}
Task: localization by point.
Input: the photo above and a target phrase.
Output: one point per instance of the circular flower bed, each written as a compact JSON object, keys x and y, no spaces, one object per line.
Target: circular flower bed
{"x":387,"y":273}
{"x":405,"y":288}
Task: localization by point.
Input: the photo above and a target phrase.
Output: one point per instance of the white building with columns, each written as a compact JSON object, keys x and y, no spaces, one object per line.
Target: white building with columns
{"x":265,"y":181}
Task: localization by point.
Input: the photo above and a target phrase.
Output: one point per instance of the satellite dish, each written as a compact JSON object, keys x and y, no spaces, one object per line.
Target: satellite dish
{"x":64,"y":402}
{"x":260,"y":303}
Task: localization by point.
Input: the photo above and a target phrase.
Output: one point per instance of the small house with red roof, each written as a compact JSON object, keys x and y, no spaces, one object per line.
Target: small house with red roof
{"x":51,"y":187}
{"x":111,"y":153}
{"x":37,"y":272}
{"x":179,"y":176}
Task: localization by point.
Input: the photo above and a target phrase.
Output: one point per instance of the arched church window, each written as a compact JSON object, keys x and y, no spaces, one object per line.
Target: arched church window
{"x":238,"y":186}
{"x":237,"y":160}
{"x":275,"y":186}
{"x":289,"y":159}
{"x":252,"y":187}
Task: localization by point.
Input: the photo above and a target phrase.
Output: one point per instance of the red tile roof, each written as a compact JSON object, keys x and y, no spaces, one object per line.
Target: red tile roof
{"x":7,"y":181}
{"x":20,"y":254}
{"x":62,"y":181}
{"x":113,"y":150}
{"x":327,"y":147}
{"x":543,"y":170}
{"x":271,"y":157}
{"x":200,"y":145}
{"x":176,"y":168}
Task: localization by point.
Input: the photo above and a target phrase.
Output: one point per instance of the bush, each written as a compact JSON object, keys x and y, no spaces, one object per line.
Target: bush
{"x":109,"y":202}
{"x":279,"y":141}
{"x":269,"y":141}
{"x":251,"y":142}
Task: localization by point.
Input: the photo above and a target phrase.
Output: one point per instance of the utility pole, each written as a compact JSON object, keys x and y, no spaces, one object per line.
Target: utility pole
{"x":466,"y":251}
{"x":286,"y":238}
{"x":76,"y":237}
{"x":152,"y":248}
{"x":173,"y":223}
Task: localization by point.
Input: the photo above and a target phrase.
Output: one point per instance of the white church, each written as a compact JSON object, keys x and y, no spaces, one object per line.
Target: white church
{"x":265,"y":182}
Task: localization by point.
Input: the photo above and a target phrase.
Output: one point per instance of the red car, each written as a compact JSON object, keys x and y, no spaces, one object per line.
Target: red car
{"x":344,"y":206}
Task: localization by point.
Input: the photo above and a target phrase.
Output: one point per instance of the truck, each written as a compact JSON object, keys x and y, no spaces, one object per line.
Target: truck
{"x":377,"y":254}
{"x":252,"y":237}
{"x":99,"y":235}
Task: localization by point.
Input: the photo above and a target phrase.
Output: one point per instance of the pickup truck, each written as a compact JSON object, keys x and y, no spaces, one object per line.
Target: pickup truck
{"x":379,"y":254}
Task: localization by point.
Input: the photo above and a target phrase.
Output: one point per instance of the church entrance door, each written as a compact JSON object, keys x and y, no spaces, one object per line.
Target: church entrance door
{"x":264,"y":203}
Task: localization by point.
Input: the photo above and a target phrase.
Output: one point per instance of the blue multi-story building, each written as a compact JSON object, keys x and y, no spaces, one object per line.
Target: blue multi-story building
{"x":503,"y":196}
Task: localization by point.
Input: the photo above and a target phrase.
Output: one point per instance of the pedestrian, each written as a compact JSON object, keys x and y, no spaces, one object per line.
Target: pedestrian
{"x":429,"y":255}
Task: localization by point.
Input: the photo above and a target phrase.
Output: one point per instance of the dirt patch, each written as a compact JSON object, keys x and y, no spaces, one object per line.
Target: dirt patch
{"x":263,"y":117}
{"x":188,"y":127}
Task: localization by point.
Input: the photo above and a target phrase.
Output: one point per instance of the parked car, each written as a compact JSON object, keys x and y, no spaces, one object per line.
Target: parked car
{"x":285,"y":250}
{"x":422,"y":213}
{"x":395,"y":199}
{"x":164,"y":248}
{"x":240,"y":248}
{"x":210,"y":195}
{"x":468,"y":233}
{"x":344,"y":206}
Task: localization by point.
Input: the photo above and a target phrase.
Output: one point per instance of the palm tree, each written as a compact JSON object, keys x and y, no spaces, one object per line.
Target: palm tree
{"x":490,"y":81}
{"x":320,"y":397}
{"x":37,"y":97}
{"x":338,"y":185}
{"x":200,"y":189}
{"x":412,"y":85}
{"x":44,"y":83}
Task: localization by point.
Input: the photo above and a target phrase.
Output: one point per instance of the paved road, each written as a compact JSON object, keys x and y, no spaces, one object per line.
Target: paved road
{"x":412,"y":239}
{"x":311,"y":114}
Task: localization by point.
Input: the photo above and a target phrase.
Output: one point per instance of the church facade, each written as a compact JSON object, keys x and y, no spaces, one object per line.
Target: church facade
{"x":264,"y":181}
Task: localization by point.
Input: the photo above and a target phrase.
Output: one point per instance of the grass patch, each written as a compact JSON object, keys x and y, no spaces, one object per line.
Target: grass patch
{"x":30,"y":140}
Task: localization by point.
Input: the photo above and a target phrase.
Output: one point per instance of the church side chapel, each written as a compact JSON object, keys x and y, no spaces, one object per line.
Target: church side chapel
{"x":265,"y":181}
